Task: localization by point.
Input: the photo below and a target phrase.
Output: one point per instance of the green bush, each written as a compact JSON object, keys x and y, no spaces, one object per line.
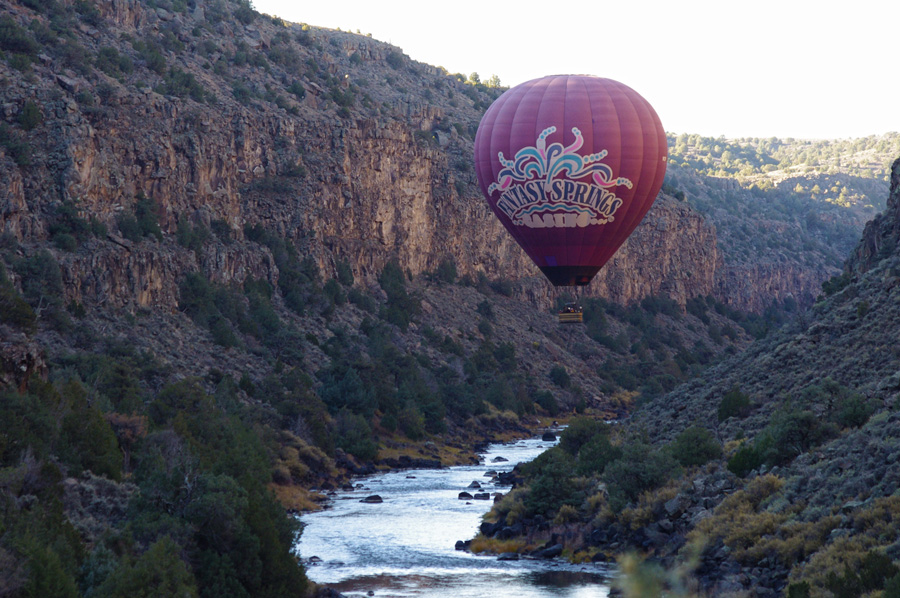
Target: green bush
{"x":550,"y":483}
{"x":344,"y":273}
{"x":734,"y":404}
{"x":790,"y":433}
{"x":142,"y":223}
{"x":843,"y":406}
{"x":395,"y":60}
{"x":799,"y":590}
{"x":559,"y":376}
{"x":30,"y":116}
{"x":640,"y":468}
{"x":114,"y":64}
{"x":401,"y":307}
{"x":579,"y":432}
{"x":16,"y":40}
{"x":157,"y":572}
{"x":485,"y":309}
{"x":695,"y":446}
{"x":17,"y":147}
{"x":182,"y":84}
{"x":14,"y":310}
{"x":191,"y":237}
{"x":595,"y":455}
{"x":355,"y":436}
{"x":874,"y":571}
{"x":836,"y":283}
{"x":547,"y":401}
{"x":446,"y":271}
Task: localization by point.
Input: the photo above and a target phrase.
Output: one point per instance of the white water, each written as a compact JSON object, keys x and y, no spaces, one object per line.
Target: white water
{"x":404,"y":547}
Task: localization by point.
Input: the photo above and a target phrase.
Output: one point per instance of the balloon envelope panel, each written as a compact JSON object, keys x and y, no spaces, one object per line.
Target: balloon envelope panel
{"x":570,"y":164}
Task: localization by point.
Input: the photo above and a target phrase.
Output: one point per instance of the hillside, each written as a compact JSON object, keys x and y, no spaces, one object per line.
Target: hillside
{"x":242,"y":260}
{"x":771,"y":473}
{"x":786,"y":212}
{"x":226,"y":288}
{"x":334,"y":140}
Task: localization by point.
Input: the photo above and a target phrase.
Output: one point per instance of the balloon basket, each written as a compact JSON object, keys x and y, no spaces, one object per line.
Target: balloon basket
{"x":571,"y":314}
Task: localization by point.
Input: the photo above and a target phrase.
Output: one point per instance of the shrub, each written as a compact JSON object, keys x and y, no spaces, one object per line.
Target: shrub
{"x":596,"y":455}
{"x":550,"y":485}
{"x":874,"y":571}
{"x":297,"y":89}
{"x":344,"y":273}
{"x":89,"y":13}
{"x":790,"y":433}
{"x":746,"y":459}
{"x":355,"y":436}
{"x":17,"y":148}
{"x":245,"y":12}
{"x":734,"y":404}
{"x":145,"y":211}
{"x":182,"y":84}
{"x":695,"y":446}
{"x":158,"y":572}
{"x":485,"y":309}
{"x":16,"y":40}
{"x":401,"y":306}
{"x":579,"y":432}
{"x":30,"y":115}
{"x":559,"y":376}
{"x":836,"y":283}
{"x":191,"y":237}
{"x":395,"y":60}
{"x":14,"y":310}
{"x":640,"y":468}
{"x":446,"y":271}
{"x":547,"y":401}
{"x":68,"y":229}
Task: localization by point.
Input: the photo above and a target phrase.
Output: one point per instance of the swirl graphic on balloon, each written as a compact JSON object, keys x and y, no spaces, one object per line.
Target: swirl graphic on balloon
{"x":548,"y":163}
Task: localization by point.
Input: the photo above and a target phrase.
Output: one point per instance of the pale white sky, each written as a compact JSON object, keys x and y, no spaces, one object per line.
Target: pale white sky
{"x":788,"y":68}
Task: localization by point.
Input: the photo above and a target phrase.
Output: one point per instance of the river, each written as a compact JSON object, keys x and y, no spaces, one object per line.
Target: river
{"x":404,"y":547}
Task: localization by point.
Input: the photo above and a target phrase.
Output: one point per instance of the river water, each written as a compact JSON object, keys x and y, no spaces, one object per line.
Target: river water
{"x":404,"y":547}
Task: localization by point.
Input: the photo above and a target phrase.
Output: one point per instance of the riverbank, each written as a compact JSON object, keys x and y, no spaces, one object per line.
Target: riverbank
{"x":405,"y":545}
{"x":461,"y":445}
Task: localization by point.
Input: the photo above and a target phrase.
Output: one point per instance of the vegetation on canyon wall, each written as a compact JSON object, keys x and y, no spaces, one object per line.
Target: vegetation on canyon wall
{"x":773,"y":472}
{"x":232,"y":273}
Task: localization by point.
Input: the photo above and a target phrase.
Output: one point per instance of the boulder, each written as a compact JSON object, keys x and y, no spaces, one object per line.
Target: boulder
{"x":509,"y":478}
{"x":373,"y":499}
{"x":677,"y":505}
{"x":508,"y":556}
{"x":474,"y":484}
{"x":482,"y":496}
{"x":548,"y":553}
{"x":499,"y":459}
{"x":548,"y":437}
{"x":464,"y":496}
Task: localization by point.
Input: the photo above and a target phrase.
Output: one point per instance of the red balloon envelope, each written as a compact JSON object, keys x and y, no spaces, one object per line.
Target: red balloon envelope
{"x":570,"y":164}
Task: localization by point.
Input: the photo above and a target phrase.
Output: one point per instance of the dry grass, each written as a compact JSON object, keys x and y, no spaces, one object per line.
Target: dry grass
{"x":481,"y":544}
{"x":642,"y":514}
{"x":872,"y":528}
{"x":297,"y":498}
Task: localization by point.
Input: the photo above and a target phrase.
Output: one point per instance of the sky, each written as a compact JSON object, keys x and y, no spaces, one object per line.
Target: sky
{"x":786,"y":68}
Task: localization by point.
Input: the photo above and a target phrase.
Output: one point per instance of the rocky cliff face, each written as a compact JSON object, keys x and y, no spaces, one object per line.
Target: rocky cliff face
{"x":881,"y":236}
{"x":333,"y":140}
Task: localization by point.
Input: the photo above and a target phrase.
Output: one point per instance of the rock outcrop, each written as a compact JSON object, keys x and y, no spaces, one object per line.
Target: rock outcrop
{"x":881,"y":235}
{"x":383,"y":175}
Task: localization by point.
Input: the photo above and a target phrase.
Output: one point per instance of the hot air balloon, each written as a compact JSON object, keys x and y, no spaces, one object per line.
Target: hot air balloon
{"x":570,"y":164}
